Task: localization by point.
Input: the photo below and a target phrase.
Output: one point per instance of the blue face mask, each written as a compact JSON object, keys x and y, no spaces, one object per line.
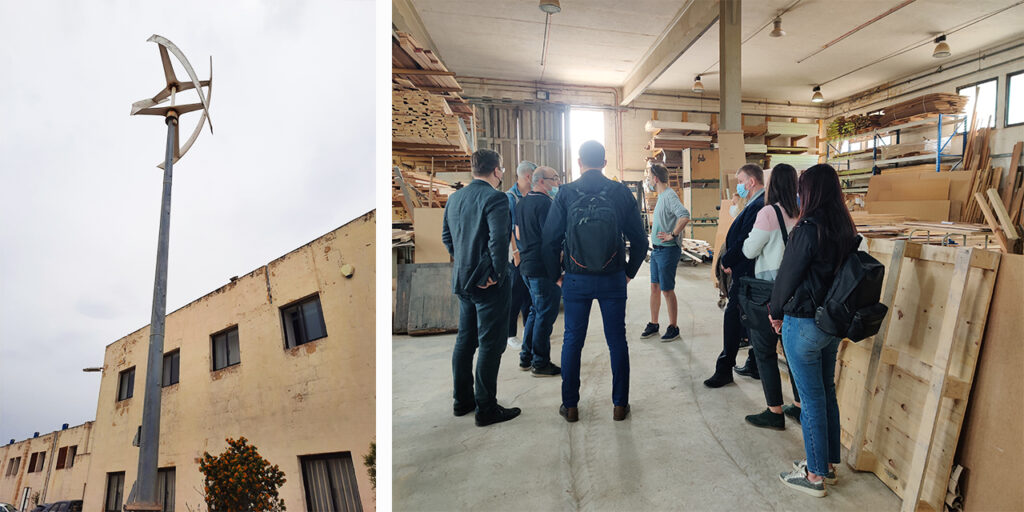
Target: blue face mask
{"x":553,"y":191}
{"x":742,"y":190}
{"x":798,"y":201}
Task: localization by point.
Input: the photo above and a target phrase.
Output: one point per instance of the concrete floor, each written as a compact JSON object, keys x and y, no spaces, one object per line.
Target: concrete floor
{"x":684,"y":446}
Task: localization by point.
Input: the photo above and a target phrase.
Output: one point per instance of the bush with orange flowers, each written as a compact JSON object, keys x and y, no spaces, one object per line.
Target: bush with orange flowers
{"x":239,"y":479}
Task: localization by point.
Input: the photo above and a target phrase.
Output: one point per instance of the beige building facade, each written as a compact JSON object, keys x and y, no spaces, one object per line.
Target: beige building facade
{"x":47,"y":468}
{"x":283,"y":356}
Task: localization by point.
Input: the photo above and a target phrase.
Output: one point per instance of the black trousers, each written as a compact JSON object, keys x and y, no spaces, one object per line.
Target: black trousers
{"x":483,"y":329}
{"x":732,"y":331}
{"x":520,"y":301}
{"x":763,"y":344}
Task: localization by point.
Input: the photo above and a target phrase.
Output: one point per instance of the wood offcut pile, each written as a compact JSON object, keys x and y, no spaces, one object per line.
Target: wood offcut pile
{"x":411,"y":190}
{"x":677,"y":135}
{"x":917,"y":108}
{"x":429,"y":120}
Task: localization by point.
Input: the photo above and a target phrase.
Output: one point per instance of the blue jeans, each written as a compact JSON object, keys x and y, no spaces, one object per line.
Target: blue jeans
{"x":812,"y":360}
{"x":664,"y":262}
{"x":578,"y":294}
{"x":544,"y":296}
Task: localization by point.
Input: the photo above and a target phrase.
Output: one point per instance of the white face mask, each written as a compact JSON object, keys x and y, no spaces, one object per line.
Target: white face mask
{"x":734,"y":210}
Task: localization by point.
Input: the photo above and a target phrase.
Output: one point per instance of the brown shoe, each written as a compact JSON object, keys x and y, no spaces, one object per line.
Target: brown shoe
{"x":620,"y":412}
{"x":571,"y":414}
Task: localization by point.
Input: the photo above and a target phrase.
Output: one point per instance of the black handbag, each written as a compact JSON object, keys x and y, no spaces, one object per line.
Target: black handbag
{"x":754,"y":293}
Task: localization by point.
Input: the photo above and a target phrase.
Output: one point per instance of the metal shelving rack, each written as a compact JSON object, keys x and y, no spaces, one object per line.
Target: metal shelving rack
{"x":833,"y":155}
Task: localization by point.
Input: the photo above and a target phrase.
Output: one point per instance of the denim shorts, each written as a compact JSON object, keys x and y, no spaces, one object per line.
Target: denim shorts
{"x":664,"y":262}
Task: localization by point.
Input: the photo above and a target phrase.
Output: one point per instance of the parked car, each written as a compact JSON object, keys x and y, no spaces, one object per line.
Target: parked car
{"x":7,"y":507}
{"x":60,"y":506}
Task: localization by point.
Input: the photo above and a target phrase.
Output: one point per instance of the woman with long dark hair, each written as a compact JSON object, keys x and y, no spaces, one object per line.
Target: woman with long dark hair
{"x":821,"y":240}
{"x":765,"y":245}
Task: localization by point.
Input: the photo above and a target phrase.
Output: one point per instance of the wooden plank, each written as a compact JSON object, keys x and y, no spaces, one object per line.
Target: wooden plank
{"x":1004,"y":217}
{"x":427,"y":232}
{"x":1004,"y":243}
{"x":940,"y":368}
{"x":892,"y":278}
{"x":1012,"y":174}
{"x":427,"y":72}
{"x":400,"y":319}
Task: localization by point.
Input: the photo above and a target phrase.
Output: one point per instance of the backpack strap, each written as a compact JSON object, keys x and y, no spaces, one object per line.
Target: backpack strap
{"x":782,"y":224}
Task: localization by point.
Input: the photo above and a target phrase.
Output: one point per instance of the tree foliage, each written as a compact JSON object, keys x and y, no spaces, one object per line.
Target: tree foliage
{"x":239,"y":479}
{"x":370,"y":461}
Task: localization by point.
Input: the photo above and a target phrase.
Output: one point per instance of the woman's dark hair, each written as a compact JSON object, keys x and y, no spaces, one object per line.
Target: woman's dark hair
{"x":782,"y":189}
{"x":821,"y":197}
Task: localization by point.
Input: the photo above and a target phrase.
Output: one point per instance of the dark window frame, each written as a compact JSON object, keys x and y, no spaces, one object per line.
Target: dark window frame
{"x":1006,"y":106}
{"x":161,"y":473}
{"x":297,"y":305}
{"x":995,"y":121}
{"x":175,"y":365}
{"x":120,"y":492}
{"x":325,"y":457}
{"x":121,"y":395}
{"x":13,"y":465}
{"x":36,"y":462}
{"x":227,"y":345}
{"x":66,"y":456}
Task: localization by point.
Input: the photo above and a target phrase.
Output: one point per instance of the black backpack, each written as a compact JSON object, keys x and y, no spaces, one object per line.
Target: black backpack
{"x":851,"y":308}
{"x":592,"y":236}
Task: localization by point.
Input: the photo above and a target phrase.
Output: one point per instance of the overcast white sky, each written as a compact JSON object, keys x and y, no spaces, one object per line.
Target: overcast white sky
{"x":291,"y":158}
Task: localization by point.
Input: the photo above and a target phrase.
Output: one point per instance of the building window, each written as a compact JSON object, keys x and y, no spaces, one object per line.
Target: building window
{"x":170,"y":373}
{"x":126,"y":384}
{"x":115,"y":492}
{"x":165,"y":488}
{"x":225,"y":349}
{"x":13,"y":464}
{"x":1015,"y":98}
{"x":330,"y":482}
{"x":35,"y":463}
{"x":66,"y":457}
{"x":303,"y":322}
{"x":984,"y":95}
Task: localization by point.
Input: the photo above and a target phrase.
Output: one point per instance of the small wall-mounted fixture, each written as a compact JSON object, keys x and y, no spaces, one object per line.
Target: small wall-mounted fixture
{"x":777,"y":31}
{"x":941,"y":48}
{"x":817,"y":98}
{"x":543,"y":95}
{"x":697,"y":85}
{"x":550,"y":6}
{"x":347,"y":270}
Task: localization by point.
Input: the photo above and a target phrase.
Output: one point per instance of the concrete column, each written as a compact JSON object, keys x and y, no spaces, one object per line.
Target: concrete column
{"x":729,"y":41}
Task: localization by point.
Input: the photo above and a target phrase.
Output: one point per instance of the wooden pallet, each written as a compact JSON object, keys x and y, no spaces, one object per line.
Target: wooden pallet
{"x":903,"y":393}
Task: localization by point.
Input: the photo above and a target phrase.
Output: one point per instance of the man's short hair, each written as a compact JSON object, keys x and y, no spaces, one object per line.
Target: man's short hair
{"x":660,"y":172}
{"x":754,"y":171}
{"x":484,"y":162}
{"x":525,"y":168}
{"x":541,"y":173}
{"x":592,"y":154}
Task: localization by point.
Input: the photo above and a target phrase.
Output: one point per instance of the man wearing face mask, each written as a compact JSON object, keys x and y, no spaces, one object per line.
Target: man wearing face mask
{"x":545,"y":294}
{"x":733,"y":262}
{"x":669,"y":219}
{"x":476,"y":232}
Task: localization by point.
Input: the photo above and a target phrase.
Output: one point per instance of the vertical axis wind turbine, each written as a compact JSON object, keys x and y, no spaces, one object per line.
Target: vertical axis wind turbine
{"x":145,"y":498}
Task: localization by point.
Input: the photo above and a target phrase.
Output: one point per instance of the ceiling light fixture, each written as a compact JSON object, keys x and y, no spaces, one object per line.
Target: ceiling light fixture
{"x":817,"y":98}
{"x":697,"y":85}
{"x":777,"y":31}
{"x":941,"y":48}
{"x":550,"y":6}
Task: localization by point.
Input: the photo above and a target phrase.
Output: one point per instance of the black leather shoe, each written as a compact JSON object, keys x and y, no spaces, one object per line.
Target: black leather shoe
{"x":464,"y":410}
{"x":768,"y":419}
{"x":747,"y":371}
{"x":792,"y":411}
{"x":497,"y":414}
{"x":619,"y":412}
{"x":717,"y":381}
{"x":571,"y":414}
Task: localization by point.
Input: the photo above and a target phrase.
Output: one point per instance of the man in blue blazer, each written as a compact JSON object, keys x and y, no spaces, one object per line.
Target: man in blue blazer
{"x":733,"y":262}
{"x":476,"y":231}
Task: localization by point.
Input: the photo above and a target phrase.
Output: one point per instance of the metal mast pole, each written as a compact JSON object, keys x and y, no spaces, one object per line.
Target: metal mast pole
{"x":149,"y":440}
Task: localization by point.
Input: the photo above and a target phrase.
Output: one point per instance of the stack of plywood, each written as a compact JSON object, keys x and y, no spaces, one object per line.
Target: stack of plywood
{"x":415,"y":66}
{"x":677,"y":135}
{"x":926,"y":195}
{"x":922,"y":106}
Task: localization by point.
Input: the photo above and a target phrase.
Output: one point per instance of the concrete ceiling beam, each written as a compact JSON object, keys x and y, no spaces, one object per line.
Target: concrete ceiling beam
{"x":692,"y":21}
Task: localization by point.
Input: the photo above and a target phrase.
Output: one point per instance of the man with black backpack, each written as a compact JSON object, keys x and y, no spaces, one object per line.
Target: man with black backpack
{"x":584,"y":236}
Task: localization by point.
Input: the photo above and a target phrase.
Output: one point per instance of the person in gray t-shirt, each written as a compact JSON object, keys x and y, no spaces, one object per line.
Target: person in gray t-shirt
{"x":670,"y":217}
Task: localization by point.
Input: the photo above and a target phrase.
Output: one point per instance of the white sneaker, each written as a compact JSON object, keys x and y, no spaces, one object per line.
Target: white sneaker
{"x":831,"y":478}
{"x":514,"y":342}
{"x":798,"y":480}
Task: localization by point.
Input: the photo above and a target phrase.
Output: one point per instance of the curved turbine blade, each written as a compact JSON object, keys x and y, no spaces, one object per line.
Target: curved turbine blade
{"x":165,"y":43}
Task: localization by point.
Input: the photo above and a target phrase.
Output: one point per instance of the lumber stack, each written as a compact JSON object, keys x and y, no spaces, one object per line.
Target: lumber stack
{"x":1013,"y":189}
{"x":910,"y":149}
{"x":414,"y":66}
{"x":923,"y":106}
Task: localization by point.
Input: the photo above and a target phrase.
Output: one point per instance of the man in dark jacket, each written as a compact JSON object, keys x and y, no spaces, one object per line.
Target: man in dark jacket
{"x":733,"y":262}
{"x":595,"y":268}
{"x":476,"y":231}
